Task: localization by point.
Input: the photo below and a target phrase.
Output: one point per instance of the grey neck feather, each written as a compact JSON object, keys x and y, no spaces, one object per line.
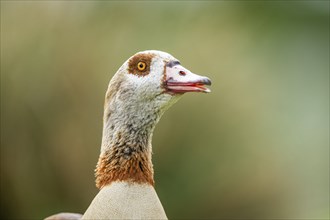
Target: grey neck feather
{"x":129,"y":125}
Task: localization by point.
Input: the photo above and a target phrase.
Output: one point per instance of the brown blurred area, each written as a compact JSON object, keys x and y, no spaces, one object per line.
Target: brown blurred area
{"x":256,"y":147}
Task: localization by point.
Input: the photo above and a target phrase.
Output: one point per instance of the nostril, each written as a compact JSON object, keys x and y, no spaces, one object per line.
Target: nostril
{"x":182,"y":73}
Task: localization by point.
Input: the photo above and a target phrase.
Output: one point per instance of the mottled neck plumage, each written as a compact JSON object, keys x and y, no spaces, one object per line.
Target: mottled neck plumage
{"x":126,"y":143}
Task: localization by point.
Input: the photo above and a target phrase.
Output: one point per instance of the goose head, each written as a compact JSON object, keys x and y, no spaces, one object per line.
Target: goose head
{"x":154,"y":78}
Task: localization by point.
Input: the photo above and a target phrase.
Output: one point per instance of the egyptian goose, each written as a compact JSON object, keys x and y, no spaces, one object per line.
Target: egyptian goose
{"x":143,"y":88}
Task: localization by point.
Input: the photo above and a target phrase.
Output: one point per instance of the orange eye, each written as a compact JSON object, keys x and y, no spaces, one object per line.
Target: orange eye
{"x":141,"y":65}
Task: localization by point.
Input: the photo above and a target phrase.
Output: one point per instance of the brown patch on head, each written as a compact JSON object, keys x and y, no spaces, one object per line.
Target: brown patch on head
{"x":124,"y":164}
{"x":140,"y":64}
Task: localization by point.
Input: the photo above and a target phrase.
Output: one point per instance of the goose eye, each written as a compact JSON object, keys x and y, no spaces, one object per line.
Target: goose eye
{"x":141,"y":66}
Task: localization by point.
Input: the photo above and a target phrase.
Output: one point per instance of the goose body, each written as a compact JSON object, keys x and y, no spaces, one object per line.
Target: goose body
{"x":143,"y":88}
{"x":124,"y":200}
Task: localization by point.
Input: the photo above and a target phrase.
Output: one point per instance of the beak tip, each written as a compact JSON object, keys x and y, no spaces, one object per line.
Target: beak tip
{"x":207,"y":81}
{"x":207,"y":90}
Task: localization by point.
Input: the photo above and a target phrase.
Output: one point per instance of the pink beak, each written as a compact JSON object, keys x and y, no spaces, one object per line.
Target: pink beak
{"x":179,"y":80}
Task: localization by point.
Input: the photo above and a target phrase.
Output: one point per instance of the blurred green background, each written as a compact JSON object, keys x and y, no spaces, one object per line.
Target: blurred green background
{"x":256,"y":147}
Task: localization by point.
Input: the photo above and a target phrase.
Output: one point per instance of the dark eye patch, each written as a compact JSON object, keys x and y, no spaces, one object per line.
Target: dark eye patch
{"x":134,"y":61}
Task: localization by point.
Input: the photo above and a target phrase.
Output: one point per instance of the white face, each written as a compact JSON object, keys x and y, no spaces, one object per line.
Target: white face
{"x":150,"y":82}
{"x":165,"y":75}
{"x":154,"y":80}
